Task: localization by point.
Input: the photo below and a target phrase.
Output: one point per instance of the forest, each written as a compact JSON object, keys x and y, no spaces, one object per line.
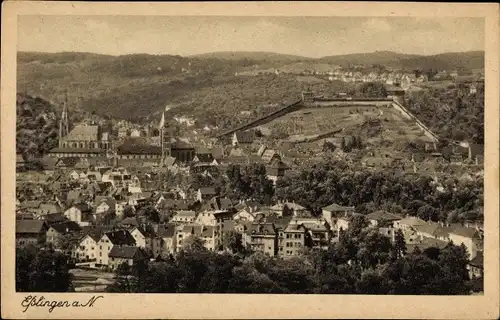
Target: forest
{"x":322,"y":184}
{"x":452,"y":113}
{"x":36,"y":126}
{"x":362,"y":262}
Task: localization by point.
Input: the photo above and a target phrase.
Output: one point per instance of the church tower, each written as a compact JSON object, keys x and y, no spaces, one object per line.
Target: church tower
{"x":63,"y":122}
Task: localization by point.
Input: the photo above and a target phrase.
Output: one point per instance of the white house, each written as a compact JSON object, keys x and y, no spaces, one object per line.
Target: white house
{"x":85,"y":249}
{"x":110,"y":239}
{"x":184,"y":216}
{"x":80,"y":213}
{"x":206,"y":218}
{"x":139,"y":237}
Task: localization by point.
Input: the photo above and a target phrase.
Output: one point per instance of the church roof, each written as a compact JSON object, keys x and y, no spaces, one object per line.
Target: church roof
{"x":83,"y":133}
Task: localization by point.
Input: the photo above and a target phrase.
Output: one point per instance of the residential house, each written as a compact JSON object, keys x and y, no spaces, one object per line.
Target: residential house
{"x":381,"y":218}
{"x":205,"y":194}
{"x":293,"y":208}
{"x":206,"y":218}
{"x":57,"y":231}
{"x":130,"y":255}
{"x":205,"y":233}
{"x":146,"y":238}
{"x":261,"y":238}
{"x":106,"y":205}
{"x":86,"y":248}
{"x":427,"y":230}
{"x":30,"y":232}
{"x":80,"y":213}
{"x":110,"y":240}
{"x":408,"y":223}
{"x":276,"y":170}
{"x":469,"y":237}
{"x":318,"y":232}
{"x":167,"y":233}
{"x":184,"y":216}
{"x":476,"y":266}
{"x":291,"y":240}
{"x":331,"y":212}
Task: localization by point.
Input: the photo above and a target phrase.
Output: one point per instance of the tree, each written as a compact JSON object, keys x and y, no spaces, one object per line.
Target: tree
{"x":193,"y":243}
{"x":150,"y":213}
{"x":41,"y":271}
{"x":128,"y":211}
{"x":372,"y":90}
{"x":399,"y":244}
{"x":233,"y":241}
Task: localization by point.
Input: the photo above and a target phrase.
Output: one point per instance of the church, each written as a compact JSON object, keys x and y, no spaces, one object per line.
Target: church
{"x":83,"y":141}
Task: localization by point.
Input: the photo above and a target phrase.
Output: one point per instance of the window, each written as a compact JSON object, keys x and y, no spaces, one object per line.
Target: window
{"x":100,"y":247}
{"x":100,"y":254}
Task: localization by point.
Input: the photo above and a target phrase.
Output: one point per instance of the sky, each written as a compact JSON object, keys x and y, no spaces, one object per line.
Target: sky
{"x":304,"y":36}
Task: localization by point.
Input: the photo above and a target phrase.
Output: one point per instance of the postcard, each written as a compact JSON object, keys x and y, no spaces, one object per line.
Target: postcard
{"x":227,"y":160}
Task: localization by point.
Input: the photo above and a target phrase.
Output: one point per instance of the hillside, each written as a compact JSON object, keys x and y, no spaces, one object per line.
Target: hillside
{"x":36,"y":126}
{"x":446,"y":61}
{"x":250,"y":55}
{"x":137,"y":87}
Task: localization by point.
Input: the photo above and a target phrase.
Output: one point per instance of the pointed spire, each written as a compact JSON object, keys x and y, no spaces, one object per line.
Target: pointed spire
{"x":162,"y":121}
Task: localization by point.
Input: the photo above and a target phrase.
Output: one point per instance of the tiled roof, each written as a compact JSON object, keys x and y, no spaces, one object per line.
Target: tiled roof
{"x":245,"y":136}
{"x":429,"y":227}
{"x":382,"y":215}
{"x":129,"y":221}
{"x":30,"y":226}
{"x":76,"y":150}
{"x":337,"y":208}
{"x":186,"y":214}
{"x":465,"y":232}
{"x":166,"y":230}
{"x":208,"y":191}
{"x":261,"y":229}
{"x":121,"y":237}
{"x":65,"y":227}
{"x":478,"y":260}
{"x":126,"y":252}
{"x":83,"y":133}
{"x":179,"y":144}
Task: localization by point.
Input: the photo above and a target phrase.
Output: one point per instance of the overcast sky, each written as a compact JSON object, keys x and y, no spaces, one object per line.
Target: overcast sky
{"x":306,"y":36}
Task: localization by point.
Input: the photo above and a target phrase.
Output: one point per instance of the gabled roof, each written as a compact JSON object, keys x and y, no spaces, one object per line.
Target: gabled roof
{"x":382,"y":215}
{"x":120,"y":237}
{"x":412,"y":221}
{"x":261,"y":229}
{"x":66,"y":227}
{"x":169,"y":161}
{"x":30,"y":226}
{"x":337,"y":208}
{"x":186,"y":214}
{"x":127,"y":252}
{"x":429,"y":227}
{"x":244,"y":136}
{"x":478,"y":260}
{"x":132,"y":221}
{"x":166,"y":230}
{"x":179,"y":144}
{"x":83,"y":207}
{"x":83,"y":132}
{"x":208,"y":191}
{"x":465,"y":232}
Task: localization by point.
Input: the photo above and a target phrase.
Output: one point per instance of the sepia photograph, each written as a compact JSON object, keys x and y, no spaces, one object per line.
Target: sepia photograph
{"x":248,"y":154}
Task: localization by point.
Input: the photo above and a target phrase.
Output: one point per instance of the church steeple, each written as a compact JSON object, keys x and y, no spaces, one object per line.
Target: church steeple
{"x":64,"y":123}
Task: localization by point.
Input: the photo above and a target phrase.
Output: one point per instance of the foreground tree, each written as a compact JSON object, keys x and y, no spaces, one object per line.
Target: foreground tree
{"x":41,"y":270}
